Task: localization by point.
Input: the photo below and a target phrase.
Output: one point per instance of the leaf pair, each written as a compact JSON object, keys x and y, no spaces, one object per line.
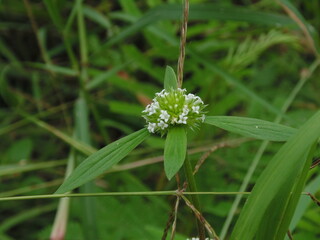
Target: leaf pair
{"x":105,"y":158}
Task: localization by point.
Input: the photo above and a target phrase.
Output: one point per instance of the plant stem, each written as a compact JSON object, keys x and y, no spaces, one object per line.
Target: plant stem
{"x":183,"y":39}
{"x":108,"y":194}
{"x":194,"y":198}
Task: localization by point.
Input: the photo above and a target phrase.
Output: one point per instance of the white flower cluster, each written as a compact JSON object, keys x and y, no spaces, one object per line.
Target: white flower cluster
{"x":173,"y":107}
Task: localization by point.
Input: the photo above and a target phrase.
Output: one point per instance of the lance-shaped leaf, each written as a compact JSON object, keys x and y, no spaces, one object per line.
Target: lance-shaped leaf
{"x":175,"y":151}
{"x":251,"y":127}
{"x":102,"y":160}
{"x":170,"y":79}
{"x":270,"y":206}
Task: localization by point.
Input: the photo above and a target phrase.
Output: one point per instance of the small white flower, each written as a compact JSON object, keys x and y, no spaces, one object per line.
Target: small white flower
{"x":174,"y":120}
{"x":151,"y":127}
{"x":183,"y":119}
{"x":156,"y":104}
{"x":196,"y":109}
{"x":198,"y":100}
{"x":152,"y":110}
{"x":162,"y":125}
{"x":164,"y":115}
{"x":161,"y":94}
{"x":189,"y":97}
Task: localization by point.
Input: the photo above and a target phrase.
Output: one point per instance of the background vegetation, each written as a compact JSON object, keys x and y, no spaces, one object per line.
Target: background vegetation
{"x":75,"y":76}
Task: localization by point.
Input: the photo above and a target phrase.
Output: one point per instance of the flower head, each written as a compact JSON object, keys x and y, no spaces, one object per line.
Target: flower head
{"x":173,"y":107}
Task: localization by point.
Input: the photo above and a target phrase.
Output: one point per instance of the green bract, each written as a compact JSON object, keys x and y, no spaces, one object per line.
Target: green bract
{"x":173,"y":107}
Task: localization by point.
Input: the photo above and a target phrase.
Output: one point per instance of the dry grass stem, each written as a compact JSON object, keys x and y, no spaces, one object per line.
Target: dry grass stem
{"x":183,"y":40}
{"x":175,"y":214}
{"x":201,"y":218}
{"x":211,"y":150}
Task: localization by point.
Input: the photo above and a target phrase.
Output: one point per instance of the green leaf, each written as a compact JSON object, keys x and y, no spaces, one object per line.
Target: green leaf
{"x":97,"y":17}
{"x":81,"y":147}
{"x":89,"y":220}
{"x":104,"y":76}
{"x":170,"y":79}
{"x":54,"y":68}
{"x":175,"y":151}
{"x":313,"y":187}
{"x":102,"y":160}
{"x":274,"y":197}
{"x":286,"y":213}
{"x":12,"y":169}
{"x":251,"y":127}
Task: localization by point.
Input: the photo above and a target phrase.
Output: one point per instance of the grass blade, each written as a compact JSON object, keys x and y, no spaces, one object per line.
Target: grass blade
{"x":97,"y":17}
{"x":18,"y":168}
{"x":28,"y":214}
{"x":287,"y":212}
{"x":89,"y":205}
{"x":175,"y":151}
{"x":304,"y":202}
{"x":102,"y":160}
{"x":251,"y":127}
{"x":54,"y":69}
{"x":104,"y":76}
{"x":81,"y":147}
{"x":275,"y":185}
{"x":61,"y":219}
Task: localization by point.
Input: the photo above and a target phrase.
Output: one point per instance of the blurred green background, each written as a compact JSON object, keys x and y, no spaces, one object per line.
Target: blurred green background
{"x":75,"y":74}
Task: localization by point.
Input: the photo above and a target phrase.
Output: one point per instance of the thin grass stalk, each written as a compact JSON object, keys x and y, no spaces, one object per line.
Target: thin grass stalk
{"x":31,"y":188}
{"x":61,"y":219}
{"x":200,"y":217}
{"x":187,"y":165}
{"x":35,"y":29}
{"x":82,"y":128}
{"x":183,"y":40}
{"x":175,"y":215}
{"x":109,"y":194}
